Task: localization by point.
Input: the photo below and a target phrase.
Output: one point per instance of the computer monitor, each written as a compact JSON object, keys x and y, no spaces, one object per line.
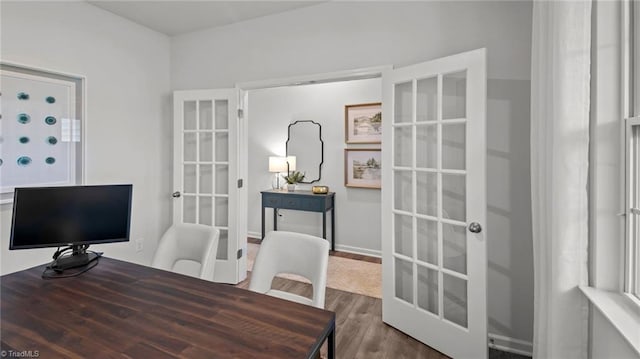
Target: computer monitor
{"x":74,"y":216}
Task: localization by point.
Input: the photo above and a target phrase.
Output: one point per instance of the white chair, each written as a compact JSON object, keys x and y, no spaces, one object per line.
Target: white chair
{"x":293,"y":253}
{"x":192,"y":242}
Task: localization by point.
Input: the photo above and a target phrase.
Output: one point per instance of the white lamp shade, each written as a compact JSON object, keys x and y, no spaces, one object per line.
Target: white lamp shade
{"x":292,"y":162}
{"x":277,"y":164}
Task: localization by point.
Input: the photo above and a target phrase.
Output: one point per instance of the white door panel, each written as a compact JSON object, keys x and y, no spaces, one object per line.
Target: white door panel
{"x":206,"y":171}
{"x":434,"y":187}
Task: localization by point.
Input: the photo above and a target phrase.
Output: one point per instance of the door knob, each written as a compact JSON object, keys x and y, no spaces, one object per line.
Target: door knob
{"x":175,"y":194}
{"x":475,"y":227}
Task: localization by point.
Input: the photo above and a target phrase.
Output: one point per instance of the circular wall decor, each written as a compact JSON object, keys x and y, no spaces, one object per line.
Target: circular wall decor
{"x":1,"y":161}
{"x":50,"y":120}
{"x":24,"y":139}
{"x":50,"y":99}
{"x":24,"y":161}
{"x":23,"y":118}
{"x":23,"y":96}
{"x":50,"y":160}
{"x":52,"y":140}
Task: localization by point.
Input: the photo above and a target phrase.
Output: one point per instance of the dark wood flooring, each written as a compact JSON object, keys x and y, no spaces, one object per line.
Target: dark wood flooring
{"x":360,"y":332}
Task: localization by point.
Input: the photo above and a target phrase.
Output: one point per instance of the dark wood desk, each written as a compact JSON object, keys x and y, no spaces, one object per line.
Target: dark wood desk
{"x":122,"y":309}
{"x":301,"y":201}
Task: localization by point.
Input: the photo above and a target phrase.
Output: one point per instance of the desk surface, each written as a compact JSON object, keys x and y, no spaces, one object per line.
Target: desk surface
{"x":298,"y":192}
{"x":121,"y":308}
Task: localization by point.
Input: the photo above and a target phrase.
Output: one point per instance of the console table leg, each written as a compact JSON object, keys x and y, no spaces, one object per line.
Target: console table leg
{"x":333,"y":229}
{"x":324,"y":224}
{"x":275,"y":219}
{"x":263,"y":209}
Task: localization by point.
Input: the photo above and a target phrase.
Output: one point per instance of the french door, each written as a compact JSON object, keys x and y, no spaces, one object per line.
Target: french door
{"x":206,"y":175}
{"x":434,"y":203}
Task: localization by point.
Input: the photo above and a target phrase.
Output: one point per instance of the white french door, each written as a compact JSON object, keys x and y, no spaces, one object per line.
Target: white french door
{"x":206,"y":173}
{"x":434,"y":203}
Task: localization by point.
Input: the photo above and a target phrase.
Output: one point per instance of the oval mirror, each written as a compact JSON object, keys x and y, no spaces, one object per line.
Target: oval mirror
{"x":305,"y":142}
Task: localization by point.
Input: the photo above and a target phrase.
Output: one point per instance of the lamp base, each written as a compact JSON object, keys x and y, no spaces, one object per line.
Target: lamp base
{"x":275,"y":181}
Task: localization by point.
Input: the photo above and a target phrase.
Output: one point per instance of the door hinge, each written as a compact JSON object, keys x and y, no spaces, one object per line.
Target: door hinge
{"x":240,"y":113}
{"x":239,"y":253}
{"x":240,"y":183}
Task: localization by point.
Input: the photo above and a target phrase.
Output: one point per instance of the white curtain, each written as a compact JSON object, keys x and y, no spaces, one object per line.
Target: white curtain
{"x":559,"y":167}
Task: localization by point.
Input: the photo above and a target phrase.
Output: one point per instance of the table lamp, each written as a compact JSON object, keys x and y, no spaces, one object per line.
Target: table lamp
{"x":277,"y":165}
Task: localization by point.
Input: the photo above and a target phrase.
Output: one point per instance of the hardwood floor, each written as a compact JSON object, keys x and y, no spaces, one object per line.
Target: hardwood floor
{"x":360,"y":332}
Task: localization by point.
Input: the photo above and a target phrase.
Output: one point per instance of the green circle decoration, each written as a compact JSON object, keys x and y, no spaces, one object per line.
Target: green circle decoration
{"x":24,"y":161}
{"x":24,"y":139}
{"x":23,"y":96}
{"x":52,"y":140}
{"x":50,"y":120}
{"x":1,"y":161}
{"x":23,"y":118}
{"x":50,"y":160}
{"x":50,"y":99}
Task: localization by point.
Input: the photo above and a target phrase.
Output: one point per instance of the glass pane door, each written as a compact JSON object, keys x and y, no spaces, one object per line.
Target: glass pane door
{"x":434,"y":266}
{"x":430,"y":254}
{"x":205,"y":174}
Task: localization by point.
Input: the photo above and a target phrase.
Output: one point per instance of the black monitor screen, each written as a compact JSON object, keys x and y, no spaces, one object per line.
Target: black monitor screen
{"x":60,"y":216}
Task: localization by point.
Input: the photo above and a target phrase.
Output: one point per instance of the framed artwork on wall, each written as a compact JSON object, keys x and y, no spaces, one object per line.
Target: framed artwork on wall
{"x":362,"y":167}
{"x":41,"y":130}
{"x":363,"y":123}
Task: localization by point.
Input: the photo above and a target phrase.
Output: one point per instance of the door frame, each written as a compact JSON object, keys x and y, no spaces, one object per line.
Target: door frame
{"x":243,"y":89}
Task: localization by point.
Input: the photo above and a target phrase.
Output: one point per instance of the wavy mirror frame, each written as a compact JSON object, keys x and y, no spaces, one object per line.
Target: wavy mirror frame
{"x":321,"y":146}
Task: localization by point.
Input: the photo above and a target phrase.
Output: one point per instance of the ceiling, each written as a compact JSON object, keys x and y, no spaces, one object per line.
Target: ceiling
{"x":179,"y":17}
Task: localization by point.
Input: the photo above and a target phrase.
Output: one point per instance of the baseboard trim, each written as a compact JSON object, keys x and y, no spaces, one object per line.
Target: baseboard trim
{"x":510,"y":345}
{"x":339,"y":247}
{"x":358,"y":250}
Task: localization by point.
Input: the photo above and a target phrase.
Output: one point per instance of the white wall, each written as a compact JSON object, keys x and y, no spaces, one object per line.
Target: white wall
{"x":607,"y":341}
{"x":128,"y":129}
{"x":270,"y":112}
{"x":337,"y":36}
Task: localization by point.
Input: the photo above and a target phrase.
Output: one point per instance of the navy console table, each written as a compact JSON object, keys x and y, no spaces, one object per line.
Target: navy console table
{"x":301,"y":201}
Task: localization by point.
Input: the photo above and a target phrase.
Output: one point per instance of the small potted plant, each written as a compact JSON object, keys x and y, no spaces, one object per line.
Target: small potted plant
{"x":292,"y":178}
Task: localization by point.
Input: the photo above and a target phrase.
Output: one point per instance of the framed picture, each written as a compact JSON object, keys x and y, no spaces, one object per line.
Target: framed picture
{"x":363,"y":123}
{"x":362,"y":167}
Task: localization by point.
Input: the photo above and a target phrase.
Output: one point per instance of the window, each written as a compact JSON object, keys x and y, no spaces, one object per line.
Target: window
{"x":632,"y":153}
{"x":633,"y":206}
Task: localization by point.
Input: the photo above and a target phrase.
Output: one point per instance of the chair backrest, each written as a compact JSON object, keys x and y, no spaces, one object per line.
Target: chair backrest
{"x":185,"y":241}
{"x":294,"y":253}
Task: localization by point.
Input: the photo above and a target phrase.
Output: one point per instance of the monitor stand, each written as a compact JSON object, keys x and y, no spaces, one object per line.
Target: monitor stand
{"x":79,"y":257}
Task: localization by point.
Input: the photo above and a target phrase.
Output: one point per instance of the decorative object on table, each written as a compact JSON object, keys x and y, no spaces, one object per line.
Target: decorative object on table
{"x":363,"y":168}
{"x":293,"y":178}
{"x":278,"y":165}
{"x":363,"y":123}
{"x":304,"y":140}
{"x":320,"y":189}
